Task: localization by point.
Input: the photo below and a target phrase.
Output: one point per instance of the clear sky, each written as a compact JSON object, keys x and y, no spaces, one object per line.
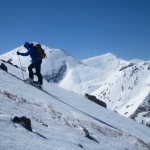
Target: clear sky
{"x":83,"y":28}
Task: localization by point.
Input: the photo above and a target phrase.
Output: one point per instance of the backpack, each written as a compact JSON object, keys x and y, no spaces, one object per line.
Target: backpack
{"x":40,"y":50}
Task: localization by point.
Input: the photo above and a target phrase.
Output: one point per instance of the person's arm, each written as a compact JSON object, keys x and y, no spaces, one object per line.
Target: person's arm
{"x":23,"y":54}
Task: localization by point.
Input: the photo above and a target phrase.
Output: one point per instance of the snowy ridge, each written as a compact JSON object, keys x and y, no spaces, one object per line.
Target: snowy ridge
{"x":123,"y":85}
{"x":61,"y":123}
{"x":127,"y":90}
{"x":107,"y":62}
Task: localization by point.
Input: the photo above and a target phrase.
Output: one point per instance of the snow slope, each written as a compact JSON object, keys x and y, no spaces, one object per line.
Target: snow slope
{"x":123,"y":85}
{"x":127,"y":90}
{"x":59,"y":120}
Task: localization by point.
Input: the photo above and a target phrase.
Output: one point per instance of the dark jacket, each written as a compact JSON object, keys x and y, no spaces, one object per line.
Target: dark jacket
{"x":33,"y":54}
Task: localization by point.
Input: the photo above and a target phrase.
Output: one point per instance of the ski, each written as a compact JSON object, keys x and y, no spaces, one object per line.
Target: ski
{"x":55,"y":97}
{"x":34,"y":84}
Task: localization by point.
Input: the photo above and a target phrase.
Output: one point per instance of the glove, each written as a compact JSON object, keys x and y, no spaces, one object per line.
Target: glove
{"x":18,"y":53}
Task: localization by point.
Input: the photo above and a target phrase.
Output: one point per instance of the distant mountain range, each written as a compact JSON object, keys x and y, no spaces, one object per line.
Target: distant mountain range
{"x":123,"y":85}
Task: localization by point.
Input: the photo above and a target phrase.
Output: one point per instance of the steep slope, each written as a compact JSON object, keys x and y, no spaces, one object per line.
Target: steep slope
{"x":123,"y":85}
{"x":59,"y":120}
{"x":128,"y":89}
{"x":89,"y":77}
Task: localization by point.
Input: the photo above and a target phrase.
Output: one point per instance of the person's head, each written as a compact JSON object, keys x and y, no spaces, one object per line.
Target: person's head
{"x":26,"y":44}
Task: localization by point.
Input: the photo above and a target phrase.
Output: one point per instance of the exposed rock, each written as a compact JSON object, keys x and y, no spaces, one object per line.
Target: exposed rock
{"x":3,"y":67}
{"x":24,"y":121}
{"x":94,"y":99}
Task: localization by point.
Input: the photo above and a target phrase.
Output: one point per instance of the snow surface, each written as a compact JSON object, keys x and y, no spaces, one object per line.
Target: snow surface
{"x":123,"y":85}
{"x":59,"y":119}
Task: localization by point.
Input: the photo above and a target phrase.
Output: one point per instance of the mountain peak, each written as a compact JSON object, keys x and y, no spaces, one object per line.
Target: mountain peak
{"x":103,"y":56}
{"x":105,"y":62}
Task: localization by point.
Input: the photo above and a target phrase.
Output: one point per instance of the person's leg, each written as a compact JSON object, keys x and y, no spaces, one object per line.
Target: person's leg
{"x":38,"y":72}
{"x":31,"y":66}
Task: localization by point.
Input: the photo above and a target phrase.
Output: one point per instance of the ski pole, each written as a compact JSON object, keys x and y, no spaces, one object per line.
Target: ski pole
{"x":21,"y":68}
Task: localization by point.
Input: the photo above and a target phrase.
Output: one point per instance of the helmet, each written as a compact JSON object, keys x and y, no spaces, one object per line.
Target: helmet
{"x":26,"y":44}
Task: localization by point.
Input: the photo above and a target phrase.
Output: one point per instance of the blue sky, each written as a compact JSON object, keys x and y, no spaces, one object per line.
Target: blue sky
{"x":83,"y":28}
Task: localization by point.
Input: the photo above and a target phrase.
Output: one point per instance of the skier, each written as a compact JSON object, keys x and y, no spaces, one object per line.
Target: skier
{"x":35,"y":63}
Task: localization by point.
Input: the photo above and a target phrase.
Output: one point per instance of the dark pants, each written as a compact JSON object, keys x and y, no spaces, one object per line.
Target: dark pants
{"x":37,"y":67}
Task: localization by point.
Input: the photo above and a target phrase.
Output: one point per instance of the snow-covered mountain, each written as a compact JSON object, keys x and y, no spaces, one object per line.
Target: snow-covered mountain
{"x":78,"y":76}
{"x":128,"y":90}
{"x":123,"y":85}
{"x":61,"y":119}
